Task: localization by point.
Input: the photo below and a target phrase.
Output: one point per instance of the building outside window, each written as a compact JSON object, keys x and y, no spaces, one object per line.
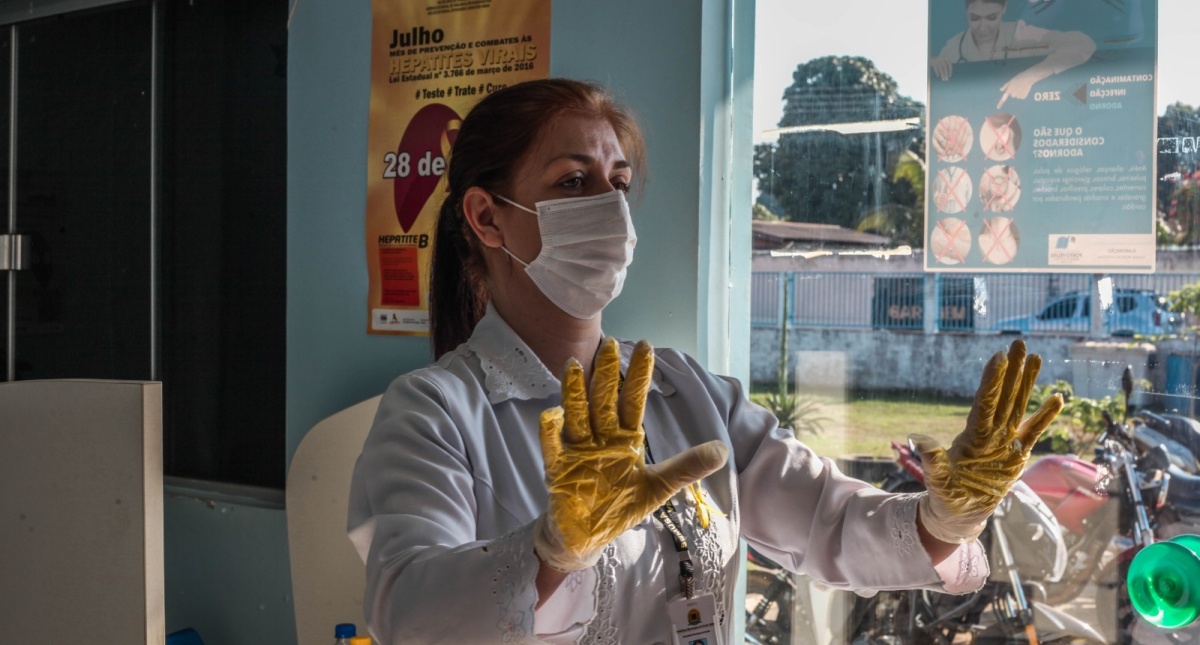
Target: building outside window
{"x":856,"y":345}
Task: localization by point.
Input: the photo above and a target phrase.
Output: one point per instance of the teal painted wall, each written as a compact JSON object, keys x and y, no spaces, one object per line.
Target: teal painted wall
{"x":227,"y":572}
{"x":227,"y":568}
{"x":649,"y":53}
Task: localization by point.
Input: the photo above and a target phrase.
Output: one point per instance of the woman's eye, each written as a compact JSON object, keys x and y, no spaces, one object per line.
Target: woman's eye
{"x":573,"y":182}
{"x":621,"y":184}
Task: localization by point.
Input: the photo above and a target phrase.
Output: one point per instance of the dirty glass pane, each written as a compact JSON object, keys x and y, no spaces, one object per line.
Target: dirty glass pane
{"x":855,"y":346}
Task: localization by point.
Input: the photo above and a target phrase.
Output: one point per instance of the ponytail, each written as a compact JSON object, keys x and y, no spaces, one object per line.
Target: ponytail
{"x":457,"y":298}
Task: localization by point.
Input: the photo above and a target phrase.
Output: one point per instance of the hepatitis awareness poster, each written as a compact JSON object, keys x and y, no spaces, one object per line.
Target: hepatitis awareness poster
{"x":1041,"y":142}
{"x":431,"y":60}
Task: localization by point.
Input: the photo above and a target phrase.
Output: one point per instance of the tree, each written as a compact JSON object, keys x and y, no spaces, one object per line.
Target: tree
{"x":1178,"y":128}
{"x":826,"y":177}
{"x":1178,"y":189}
{"x":1186,"y":301}
{"x":760,"y":212}
{"x":903,"y":218}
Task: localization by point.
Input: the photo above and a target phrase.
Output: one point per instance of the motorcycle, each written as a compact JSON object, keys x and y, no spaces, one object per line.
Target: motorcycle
{"x":1130,"y":495}
{"x":772,"y":594}
{"x":1001,"y":611}
{"x":1095,"y":501}
{"x":1178,"y":435}
{"x":1139,"y":487}
{"x":1138,"y":492}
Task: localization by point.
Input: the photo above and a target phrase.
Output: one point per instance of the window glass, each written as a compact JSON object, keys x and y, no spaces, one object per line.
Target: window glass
{"x":1064,"y":308}
{"x":82,"y":310}
{"x":855,"y":346}
{"x":223,"y":240}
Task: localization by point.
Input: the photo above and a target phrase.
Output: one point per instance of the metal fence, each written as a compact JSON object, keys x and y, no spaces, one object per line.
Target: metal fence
{"x":986,"y":302}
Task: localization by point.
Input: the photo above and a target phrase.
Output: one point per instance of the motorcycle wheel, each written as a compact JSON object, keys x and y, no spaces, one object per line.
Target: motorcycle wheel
{"x":774,"y":626}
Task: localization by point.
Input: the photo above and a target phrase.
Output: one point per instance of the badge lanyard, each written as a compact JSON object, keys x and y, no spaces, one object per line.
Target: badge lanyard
{"x":670,"y":519}
{"x":693,"y":618}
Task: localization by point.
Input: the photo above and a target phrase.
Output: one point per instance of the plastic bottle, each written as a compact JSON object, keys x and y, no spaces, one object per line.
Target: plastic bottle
{"x":343,"y":633}
{"x":1164,"y":582}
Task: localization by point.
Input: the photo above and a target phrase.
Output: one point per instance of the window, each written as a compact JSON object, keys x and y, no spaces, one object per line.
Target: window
{"x":150,"y":195}
{"x":1064,"y":308}
{"x":223,"y":240}
{"x":863,"y":354}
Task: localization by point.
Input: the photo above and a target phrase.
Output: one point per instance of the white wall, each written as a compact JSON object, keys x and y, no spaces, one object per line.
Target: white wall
{"x":951,"y":364}
{"x":900,"y":360}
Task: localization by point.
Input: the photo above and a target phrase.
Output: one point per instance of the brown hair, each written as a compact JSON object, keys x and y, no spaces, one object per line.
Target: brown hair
{"x":492,"y":142}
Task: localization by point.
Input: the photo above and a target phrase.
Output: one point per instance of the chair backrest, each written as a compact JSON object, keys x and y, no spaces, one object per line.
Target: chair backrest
{"x":328,"y":577}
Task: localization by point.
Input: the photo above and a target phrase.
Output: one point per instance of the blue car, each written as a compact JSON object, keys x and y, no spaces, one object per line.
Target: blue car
{"x":1133,"y":312}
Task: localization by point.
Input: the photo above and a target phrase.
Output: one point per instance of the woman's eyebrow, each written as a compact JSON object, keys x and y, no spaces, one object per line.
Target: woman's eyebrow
{"x":586,"y":160}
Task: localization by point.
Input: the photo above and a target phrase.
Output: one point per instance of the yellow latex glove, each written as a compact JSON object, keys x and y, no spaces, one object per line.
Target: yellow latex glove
{"x":600,"y":485}
{"x":967,"y":482}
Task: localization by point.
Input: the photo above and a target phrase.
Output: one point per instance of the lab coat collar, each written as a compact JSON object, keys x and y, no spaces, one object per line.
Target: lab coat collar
{"x":512,"y":371}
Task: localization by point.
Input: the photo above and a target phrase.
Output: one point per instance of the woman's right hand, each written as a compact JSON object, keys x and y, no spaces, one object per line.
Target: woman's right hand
{"x":600,"y":485}
{"x":942,"y":67}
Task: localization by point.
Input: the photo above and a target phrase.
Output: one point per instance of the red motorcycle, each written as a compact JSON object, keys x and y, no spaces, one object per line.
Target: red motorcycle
{"x":1111,"y":502}
{"x":1025,"y":549}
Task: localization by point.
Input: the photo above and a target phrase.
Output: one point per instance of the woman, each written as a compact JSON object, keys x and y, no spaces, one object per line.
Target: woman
{"x":989,"y":37}
{"x":493,"y":504}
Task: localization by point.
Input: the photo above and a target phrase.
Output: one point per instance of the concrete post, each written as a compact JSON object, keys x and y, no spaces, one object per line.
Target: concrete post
{"x":932,"y":307}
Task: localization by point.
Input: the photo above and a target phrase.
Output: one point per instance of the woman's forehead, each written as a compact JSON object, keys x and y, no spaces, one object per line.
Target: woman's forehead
{"x":576,"y":135}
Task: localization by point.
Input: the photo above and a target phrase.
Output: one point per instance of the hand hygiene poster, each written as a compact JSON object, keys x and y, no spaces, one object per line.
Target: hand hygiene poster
{"x":431,"y":62}
{"x":1041,"y":143}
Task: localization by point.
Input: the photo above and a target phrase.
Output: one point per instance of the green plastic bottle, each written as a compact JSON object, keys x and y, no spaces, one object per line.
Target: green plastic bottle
{"x":1164,"y":582}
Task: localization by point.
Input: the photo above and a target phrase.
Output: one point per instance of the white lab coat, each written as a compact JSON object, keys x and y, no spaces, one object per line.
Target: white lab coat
{"x":450,"y":482}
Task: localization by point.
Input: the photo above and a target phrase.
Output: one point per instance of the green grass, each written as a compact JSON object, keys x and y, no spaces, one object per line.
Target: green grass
{"x":866,"y":423}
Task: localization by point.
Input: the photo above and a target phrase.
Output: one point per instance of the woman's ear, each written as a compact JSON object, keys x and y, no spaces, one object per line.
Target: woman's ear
{"x":479,"y":209}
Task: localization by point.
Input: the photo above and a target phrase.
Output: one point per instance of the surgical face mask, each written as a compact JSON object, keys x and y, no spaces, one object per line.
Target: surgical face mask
{"x":587,"y":243}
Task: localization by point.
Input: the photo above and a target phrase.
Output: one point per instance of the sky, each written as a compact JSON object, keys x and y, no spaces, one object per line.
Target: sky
{"x":893,"y":33}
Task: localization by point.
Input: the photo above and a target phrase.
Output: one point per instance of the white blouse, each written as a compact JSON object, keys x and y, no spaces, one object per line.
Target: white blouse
{"x":451,"y":479}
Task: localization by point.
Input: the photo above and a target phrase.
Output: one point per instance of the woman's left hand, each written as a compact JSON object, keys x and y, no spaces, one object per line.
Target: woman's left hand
{"x":967,"y":482}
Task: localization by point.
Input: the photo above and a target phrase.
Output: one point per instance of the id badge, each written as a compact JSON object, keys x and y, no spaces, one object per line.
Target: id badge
{"x":694,"y":620}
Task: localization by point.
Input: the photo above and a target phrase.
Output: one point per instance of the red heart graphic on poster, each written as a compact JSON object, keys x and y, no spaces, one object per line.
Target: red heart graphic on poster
{"x":422,"y":159}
